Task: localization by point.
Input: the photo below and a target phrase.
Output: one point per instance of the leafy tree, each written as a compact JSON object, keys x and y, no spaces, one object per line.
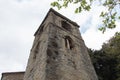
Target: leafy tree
{"x":104,"y":65}
{"x":107,"y":60}
{"x":112,"y":49}
{"x":109,"y":16}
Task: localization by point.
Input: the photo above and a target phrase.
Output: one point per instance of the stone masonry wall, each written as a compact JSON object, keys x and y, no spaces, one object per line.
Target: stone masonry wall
{"x":67,"y":57}
{"x":13,"y":76}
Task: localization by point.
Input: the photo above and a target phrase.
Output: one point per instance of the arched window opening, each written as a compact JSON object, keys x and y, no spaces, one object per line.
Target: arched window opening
{"x":68,"y":42}
{"x":66,"y":26}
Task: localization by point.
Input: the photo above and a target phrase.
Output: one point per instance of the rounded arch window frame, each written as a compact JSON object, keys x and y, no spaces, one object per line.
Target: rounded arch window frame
{"x":69,"y":42}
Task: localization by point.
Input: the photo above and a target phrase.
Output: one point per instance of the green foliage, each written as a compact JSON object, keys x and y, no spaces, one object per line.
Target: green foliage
{"x":107,"y":60}
{"x":112,"y":49}
{"x":103,"y":29}
{"x":104,"y":65}
{"x":109,"y":16}
{"x":56,"y":4}
{"x":78,"y":10}
{"x":108,"y":21}
{"x":119,"y":17}
{"x":83,"y":4}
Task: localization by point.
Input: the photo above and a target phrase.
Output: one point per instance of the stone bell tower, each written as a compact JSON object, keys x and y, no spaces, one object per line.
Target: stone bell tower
{"x":59,"y":52}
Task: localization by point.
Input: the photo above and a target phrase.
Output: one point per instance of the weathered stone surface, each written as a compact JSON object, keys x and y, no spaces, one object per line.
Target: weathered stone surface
{"x":59,"y":52}
{"x":12,"y":76}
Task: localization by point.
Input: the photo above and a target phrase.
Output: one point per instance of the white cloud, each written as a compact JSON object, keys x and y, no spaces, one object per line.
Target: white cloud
{"x":94,"y":38}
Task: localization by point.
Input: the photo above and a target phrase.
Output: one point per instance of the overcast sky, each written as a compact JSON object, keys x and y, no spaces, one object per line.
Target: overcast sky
{"x":19,"y":19}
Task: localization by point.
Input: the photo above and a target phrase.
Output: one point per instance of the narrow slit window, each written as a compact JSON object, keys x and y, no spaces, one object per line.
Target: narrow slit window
{"x":68,"y":42}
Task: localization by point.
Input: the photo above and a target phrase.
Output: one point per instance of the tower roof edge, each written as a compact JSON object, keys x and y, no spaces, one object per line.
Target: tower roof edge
{"x":58,"y":14}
